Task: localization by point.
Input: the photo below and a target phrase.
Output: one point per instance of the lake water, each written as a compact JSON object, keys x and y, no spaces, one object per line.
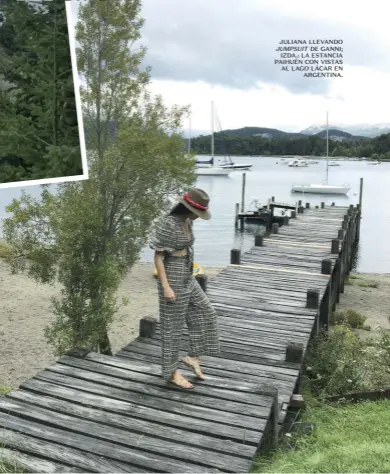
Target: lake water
{"x":267,"y":178}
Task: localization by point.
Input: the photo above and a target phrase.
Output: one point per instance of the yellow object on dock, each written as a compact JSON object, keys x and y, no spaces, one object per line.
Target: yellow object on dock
{"x":197,"y":270}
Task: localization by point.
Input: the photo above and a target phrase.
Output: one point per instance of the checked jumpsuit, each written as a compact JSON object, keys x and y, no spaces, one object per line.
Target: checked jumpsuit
{"x":192,"y":306}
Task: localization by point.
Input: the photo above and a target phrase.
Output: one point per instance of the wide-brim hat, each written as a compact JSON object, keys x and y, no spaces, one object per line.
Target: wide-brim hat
{"x":197,"y":201}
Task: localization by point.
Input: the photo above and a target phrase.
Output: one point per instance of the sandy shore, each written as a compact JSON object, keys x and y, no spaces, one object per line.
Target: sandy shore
{"x":25,"y":312}
{"x":374,"y":303}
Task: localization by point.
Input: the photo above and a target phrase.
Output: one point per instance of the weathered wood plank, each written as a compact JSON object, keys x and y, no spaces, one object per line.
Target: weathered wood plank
{"x":144,"y":443}
{"x":87,"y":444}
{"x":26,"y":462}
{"x":140,"y":413}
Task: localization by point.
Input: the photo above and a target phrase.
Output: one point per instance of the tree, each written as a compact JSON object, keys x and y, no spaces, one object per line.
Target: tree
{"x":38,"y":118}
{"x":90,"y":233}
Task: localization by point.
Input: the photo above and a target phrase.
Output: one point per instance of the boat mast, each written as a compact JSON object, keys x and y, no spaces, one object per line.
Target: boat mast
{"x":327,"y":146}
{"x":189,"y":134}
{"x":212,"y":132}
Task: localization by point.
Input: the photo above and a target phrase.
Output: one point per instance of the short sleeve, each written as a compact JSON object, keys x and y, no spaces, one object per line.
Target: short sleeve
{"x":162,"y":237}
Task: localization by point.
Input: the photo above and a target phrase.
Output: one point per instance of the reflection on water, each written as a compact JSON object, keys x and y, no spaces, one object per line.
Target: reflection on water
{"x":215,"y":238}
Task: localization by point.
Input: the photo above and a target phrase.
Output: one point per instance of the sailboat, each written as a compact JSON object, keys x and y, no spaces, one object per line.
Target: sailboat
{"x":212,"y":170}
{"x":227,"y":160}
{"x":322,"y":188}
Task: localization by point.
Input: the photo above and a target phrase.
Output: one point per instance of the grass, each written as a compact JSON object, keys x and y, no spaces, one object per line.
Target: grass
{"x":351,"y":280}
{"x":351,"y":317}
{"x":350,"y":438}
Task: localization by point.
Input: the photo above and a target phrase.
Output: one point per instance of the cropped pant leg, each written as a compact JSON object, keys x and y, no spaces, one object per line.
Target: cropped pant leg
{"x":202,"y":323}
{"x":173,"y":315}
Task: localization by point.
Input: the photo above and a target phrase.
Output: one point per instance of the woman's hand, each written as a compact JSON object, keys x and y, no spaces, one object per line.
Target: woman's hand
{"x":169,"y":294}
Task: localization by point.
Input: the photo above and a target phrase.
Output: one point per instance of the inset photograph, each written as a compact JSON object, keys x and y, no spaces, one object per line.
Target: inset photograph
{"x":39,"y":123}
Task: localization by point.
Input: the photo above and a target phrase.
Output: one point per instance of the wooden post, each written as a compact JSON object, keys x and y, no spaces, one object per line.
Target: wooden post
{"x":324,"y":317}
{"x":78,"y":352}
{"x":147,"y":327}
{"x":259,"y":240}
{"x":333,"y":204}
{"x":236,"y":215}
{"x":293,"y":214}
{"x":286,"y":220}
{"x":202,"y":280}
{"x":312,"y":299}
{"x":361,"y":194}
{"x":341,"y":234}
{"x":275,"y":228}
{"x":322,"y":205}
{"x":326,"y":267}
{"x":338,"y":279}
{"x":300,"y":202}
{"x":301,"y":210}
{"x":308,"y":205}
{"x":271,"y":432}
{"x":294,"y":352}
{"x":235,"y":257}
{"x":243,"y":192}
{"x":335,"y":246}
{"x":273,"y":199}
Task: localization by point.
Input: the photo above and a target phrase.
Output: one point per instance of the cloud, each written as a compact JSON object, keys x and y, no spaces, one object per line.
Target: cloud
{"x":232,"y":43}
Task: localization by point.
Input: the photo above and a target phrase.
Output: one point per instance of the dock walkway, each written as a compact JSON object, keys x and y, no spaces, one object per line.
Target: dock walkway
{"x":95,"y":413}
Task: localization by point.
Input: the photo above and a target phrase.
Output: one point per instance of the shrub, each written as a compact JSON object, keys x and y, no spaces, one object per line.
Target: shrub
{"x":339,"y":362}
{"x":349,"y":317}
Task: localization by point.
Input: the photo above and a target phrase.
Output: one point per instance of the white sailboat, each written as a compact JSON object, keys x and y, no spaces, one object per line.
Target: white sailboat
{"x":322,"y":188}
{"x":212,"y":170}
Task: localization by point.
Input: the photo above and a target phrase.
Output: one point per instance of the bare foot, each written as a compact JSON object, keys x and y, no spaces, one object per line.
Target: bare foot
{"x":180,"y":381}
{"x":193,"y":363}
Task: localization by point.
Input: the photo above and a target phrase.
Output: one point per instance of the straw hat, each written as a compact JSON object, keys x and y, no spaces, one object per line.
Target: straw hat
{"x":197,"y":201}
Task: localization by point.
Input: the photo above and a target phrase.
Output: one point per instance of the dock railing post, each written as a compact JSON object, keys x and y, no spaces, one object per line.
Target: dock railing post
{"x":313,"y":302}
{"x":324,"y":316}
{"x":147,"y":327}
{"x":237,"y":211}
{"x":294,"y":354}
{"x":243,"y":192}
{"x":235,"y":257}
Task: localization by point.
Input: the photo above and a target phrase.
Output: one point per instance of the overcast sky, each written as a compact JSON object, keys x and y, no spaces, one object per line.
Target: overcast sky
{"x":224,"y":50}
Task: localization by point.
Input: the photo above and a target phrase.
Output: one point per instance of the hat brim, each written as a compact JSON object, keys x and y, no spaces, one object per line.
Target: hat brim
{"x":206,"y":215}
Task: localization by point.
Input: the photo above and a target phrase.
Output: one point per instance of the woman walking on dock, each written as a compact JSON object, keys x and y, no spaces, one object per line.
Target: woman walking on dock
{"x":181,"y":299}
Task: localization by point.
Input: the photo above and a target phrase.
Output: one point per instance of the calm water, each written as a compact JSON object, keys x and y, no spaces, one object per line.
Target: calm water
{"x":216,"y":237}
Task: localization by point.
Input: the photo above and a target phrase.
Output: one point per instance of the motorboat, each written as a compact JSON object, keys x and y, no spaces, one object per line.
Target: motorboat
{"x":374,"y":162}
{"x":320,"y":189}
{"x":298,"y":164}
{"x":334,"y":163}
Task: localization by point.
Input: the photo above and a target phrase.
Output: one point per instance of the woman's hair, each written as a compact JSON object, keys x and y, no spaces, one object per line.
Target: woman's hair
{"x":180,"y":210}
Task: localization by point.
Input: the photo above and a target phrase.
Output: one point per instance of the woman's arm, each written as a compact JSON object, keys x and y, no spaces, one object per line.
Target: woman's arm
{"x":159,"y":262}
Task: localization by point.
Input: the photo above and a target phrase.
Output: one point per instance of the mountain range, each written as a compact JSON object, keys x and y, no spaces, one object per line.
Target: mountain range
{"x":273,"y":133}
{"x":336,"y":132}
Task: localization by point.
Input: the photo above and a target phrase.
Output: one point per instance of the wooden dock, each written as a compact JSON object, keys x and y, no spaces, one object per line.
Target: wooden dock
{"x":95,"y":413}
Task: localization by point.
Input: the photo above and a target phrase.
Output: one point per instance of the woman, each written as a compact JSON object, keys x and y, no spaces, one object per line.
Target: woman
{"x":181,"y":298}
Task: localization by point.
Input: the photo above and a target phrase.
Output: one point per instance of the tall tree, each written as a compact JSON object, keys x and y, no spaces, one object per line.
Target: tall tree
{"x":38,"y":118}
{"x":91,"y":232}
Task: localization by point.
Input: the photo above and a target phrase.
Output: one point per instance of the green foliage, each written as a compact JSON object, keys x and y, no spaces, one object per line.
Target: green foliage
{"x":339,"y":362}
{"x":349,"y":317}
{"x":90,"y":233}
{"x":38,"y":120}
{"x":377,"y":148}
